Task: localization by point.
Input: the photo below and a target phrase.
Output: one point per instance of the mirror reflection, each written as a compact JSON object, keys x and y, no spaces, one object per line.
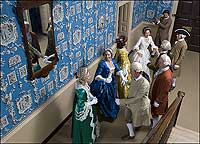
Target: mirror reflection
{"x":39,"y":32}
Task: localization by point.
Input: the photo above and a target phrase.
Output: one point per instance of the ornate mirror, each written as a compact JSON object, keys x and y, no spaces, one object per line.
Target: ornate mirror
{"x":36,"y":21}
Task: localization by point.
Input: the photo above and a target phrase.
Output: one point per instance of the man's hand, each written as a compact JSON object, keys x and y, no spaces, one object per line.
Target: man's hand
{"x":46,"y":59}
{"x":155,"y":104}
{"x":176,"y":67}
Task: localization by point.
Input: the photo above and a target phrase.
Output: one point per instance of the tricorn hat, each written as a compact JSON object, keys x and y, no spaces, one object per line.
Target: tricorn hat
{"x":166,"y":11}
{"x":182,"y":31}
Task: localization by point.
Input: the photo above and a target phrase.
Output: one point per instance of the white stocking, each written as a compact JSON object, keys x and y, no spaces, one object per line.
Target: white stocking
{"x":174,"y":82}
{"x":130,"y":129}
{"x":155,"y":121}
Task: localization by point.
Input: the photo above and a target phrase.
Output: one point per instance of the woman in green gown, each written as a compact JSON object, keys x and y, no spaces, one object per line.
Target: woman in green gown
{"x":83,"y":124}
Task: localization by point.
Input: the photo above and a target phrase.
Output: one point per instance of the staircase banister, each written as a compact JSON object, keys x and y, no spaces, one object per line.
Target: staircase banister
{"x":155,"y":134}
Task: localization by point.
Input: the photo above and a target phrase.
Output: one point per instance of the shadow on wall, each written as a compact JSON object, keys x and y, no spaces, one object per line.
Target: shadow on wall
{"x":135,"y":33}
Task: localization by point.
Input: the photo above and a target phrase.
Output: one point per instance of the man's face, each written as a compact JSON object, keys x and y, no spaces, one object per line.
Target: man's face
{"x":178,"y":36}
{"x":134,"y":74}
{"x":165,"y":15}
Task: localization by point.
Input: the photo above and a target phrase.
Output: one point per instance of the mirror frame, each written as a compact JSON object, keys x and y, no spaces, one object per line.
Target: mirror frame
{"x":20,"y":7}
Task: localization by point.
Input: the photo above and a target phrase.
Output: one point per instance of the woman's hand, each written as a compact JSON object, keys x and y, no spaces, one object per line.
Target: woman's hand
{"x":124,"y":80}
{"x":94,"y":101}
{"x":100,"y":78}
{"x":117,"y":101}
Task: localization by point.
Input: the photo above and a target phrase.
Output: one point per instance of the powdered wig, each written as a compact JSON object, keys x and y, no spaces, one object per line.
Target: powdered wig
{"x":81,"y":74}
{"x":136,"y":66}
{"x":166,"y":45}
{"x":166,"y":60}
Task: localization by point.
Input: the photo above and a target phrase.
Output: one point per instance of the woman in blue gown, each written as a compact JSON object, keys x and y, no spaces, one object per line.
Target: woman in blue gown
{"x":104,"y":87}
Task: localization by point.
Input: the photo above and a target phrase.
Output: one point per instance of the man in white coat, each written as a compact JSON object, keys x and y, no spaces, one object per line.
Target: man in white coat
{"x":137,"y":110}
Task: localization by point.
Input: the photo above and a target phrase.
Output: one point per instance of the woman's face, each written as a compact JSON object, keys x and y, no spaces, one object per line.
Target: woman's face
{"x":86,"y":77}
{"x":108,"y":56}
{"x":147,"y":33}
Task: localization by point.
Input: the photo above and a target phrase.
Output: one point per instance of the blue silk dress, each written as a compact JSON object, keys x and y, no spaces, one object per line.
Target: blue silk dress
{"x":106,"y":92}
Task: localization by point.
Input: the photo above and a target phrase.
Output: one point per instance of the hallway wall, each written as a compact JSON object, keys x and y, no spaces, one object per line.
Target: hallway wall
{"x":70,"y":17}
{"x":147,"y":10}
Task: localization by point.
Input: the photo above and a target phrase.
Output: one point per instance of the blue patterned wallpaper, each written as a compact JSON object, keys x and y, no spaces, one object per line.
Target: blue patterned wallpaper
{"x":82,"y":30}
{"x":146,"y":10}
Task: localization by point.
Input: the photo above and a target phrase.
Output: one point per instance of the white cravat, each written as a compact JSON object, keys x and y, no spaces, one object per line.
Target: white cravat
{"x":136,"y":79}
{"x":179,"y":40}
{"x":160,"y":71}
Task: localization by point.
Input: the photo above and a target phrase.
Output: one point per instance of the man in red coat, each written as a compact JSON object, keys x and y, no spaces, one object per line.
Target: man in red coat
{"x":161,"y":86}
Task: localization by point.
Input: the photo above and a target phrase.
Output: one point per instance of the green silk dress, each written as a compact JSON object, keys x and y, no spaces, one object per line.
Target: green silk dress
{"x":83,"y":122}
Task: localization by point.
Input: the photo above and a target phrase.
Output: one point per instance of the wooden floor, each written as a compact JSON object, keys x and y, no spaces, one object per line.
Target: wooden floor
{"x":110,"y":132}
{"x":188,"y":117}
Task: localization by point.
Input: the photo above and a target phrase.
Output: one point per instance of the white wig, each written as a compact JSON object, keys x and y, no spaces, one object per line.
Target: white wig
{"x":137,"y":66}
{"x":166,"y":45}
{"x":166,"y":59}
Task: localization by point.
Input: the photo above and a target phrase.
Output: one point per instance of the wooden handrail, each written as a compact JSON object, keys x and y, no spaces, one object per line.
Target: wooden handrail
{"x":160,"y":133}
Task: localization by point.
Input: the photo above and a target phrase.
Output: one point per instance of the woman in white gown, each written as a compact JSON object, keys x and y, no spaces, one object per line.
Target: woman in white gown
{"x":142,"y":49}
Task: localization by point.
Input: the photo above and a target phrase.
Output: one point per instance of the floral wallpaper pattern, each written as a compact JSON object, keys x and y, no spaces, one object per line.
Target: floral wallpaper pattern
{"x":82,"y":30}
{"x":146,"y":10}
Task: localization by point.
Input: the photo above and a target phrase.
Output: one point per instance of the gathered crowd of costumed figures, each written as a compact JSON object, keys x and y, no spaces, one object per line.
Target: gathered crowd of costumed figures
{"x":124,"y":79}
